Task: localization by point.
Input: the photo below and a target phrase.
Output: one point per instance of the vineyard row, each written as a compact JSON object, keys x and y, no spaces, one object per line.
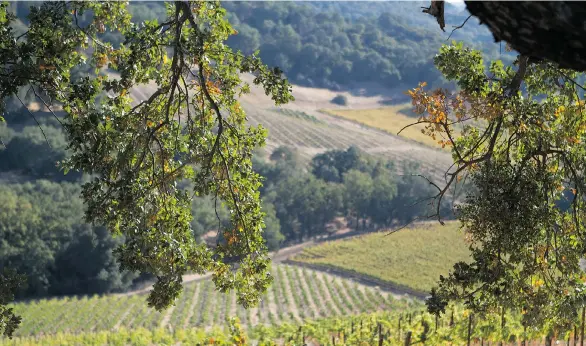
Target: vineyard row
{"x":296,"y":294}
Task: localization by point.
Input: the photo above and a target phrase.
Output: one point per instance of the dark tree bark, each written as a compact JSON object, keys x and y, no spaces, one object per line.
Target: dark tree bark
{"x":550,"y":30}
{"x":437,"y":10}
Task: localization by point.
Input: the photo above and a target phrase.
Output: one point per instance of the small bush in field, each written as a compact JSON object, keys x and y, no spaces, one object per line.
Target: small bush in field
{"x":340,"y":100}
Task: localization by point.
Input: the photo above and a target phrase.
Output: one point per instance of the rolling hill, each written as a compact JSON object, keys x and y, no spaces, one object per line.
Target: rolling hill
{"x":391,"y":119}
{"x":411,"y":259}
{"x":303,"y":125}
{"x":312,"y":131}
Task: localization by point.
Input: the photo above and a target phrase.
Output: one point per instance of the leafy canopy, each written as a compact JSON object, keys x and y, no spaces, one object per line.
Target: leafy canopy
{"x":191,"y":127}
{"x":523,"y":148}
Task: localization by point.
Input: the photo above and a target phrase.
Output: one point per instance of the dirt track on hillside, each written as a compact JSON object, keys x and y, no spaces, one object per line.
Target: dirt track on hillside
{"x":285,"y":254}
{"x":278,"y":257}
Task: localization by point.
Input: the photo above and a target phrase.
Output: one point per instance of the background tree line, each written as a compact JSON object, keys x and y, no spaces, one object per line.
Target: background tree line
{"x":365,"y":191}
{"x":336,"y":45}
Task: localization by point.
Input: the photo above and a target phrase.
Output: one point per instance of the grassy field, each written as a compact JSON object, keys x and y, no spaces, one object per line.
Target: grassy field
{"x":296,"y":294}
{"x":413,"y":258}
{"x":390,"y":119}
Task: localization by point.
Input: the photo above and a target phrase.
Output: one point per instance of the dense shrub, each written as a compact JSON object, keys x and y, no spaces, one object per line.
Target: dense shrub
{"x":341,"y":100}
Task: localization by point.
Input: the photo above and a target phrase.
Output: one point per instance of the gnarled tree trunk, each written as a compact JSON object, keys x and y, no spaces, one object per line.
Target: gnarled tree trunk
{"x":551,"y":30}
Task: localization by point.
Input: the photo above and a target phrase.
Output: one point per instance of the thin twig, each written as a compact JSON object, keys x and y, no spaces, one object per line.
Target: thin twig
{"x":38,"y":124}
{"x":572,"y":80}
{"x":98,"y":42}
{"x":413,"y":124}
{"x":235,"y":199}
{"x":424,"y":177}
{"x":216,"y":109}
{"x":216,"y":211}
{"x":46,"y":105}
{"x":458,"y":27}
{"x":403,"y":227}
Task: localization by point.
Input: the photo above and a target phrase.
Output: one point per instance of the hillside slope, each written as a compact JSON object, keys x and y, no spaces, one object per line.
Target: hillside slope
{"x":412,"y":258}
{"x":316,"y":132}
{"x":296,"y":294}
{"x":301,"y":125}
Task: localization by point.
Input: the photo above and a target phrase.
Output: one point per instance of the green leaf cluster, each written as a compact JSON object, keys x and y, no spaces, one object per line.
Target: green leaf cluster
{"x":525,"y":215}
{"x":190,"y":127}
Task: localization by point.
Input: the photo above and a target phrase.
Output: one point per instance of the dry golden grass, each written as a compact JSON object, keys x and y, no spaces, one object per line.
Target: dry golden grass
{"x":390,"y":119}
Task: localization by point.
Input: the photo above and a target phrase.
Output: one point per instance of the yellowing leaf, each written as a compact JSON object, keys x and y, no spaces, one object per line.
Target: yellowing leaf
{"x":538,"y":283}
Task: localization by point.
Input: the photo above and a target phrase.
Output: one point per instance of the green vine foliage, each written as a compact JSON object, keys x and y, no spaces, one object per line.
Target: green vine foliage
{"x":191,"y":127}
{"x":525,"y":156}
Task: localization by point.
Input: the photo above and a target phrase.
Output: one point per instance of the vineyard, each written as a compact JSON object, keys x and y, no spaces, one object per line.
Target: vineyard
{"x":296,"y":294}
{"x":313,"y":133}
{"x":303,"y":126}
{"x":296,"y":114}
{"x":390,"y":119}
{"x":412,"y":258}
{"x":408,"y":327}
